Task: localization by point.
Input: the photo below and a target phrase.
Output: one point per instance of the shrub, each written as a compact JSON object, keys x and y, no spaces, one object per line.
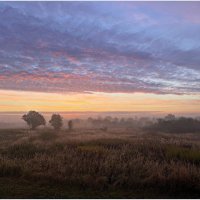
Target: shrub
{"x":175,"y":125}
{"x":70,"y":125}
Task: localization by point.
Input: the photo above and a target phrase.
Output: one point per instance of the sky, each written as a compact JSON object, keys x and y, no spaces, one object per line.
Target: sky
{"x":100,"y":56}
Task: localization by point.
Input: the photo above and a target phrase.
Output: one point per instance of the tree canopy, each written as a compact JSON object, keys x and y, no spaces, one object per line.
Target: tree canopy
{"x":56,"y":121}
{"x":34,"y":119}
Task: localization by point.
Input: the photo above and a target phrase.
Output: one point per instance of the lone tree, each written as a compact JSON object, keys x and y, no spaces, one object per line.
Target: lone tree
{"x":70,"y":125}
{"x":56,"y":121}
{"x":34,"y":119}
{"x":170,"y":117}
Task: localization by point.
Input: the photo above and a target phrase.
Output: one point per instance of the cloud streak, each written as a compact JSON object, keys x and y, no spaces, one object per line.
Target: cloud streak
{"x":129,"y":47}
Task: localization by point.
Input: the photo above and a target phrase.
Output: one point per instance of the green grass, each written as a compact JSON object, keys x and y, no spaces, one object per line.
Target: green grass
{"x":183,"y":154}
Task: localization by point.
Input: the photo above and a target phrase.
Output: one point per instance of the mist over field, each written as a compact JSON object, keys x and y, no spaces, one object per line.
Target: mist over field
{"x":99,"y":99}
{"x":14,"y":119}
{"x":100,"y":156}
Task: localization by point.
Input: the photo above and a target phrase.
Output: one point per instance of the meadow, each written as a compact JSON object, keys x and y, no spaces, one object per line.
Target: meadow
{"x":94,"y":163}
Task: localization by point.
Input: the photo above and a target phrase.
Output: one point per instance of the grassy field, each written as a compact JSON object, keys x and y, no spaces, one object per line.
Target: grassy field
{"x":97,"y":164}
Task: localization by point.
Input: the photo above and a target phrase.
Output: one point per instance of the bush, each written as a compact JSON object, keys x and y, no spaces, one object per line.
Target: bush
{"x":177,"y":125}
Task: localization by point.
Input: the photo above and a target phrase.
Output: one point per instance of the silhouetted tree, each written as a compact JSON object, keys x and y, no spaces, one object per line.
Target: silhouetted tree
{"x":34,"y":119}
{"x":56,"y":121}
{"x":176,"y":125}
{"x":170,"y":117}
{"x":70,"y":125}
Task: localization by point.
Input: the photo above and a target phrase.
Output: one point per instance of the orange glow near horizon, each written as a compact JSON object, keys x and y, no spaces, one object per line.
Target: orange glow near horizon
{"x":17,"y":101}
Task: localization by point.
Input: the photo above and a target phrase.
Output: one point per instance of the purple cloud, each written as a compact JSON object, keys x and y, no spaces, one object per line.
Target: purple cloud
{"x":150,"y":47}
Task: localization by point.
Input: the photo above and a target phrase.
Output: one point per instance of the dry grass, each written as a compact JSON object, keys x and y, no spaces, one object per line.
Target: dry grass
{"x":104,"y":161}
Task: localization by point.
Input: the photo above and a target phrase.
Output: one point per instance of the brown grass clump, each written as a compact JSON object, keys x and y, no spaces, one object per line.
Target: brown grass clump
{"x":140,"y":163}
{"x":9,"y":168}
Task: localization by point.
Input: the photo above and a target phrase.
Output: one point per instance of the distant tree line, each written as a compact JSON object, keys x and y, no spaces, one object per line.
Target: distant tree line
{"x":35,"y":119}
{"x":172,"y":124}
{"x":169,"y":124}
{"x":113,"y":122}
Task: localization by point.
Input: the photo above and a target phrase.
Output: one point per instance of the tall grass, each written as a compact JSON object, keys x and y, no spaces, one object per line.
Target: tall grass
{"x":104,"y":164}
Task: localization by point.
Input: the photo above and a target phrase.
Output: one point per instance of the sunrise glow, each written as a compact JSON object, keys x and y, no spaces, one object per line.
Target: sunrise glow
{"x":100,"y":56}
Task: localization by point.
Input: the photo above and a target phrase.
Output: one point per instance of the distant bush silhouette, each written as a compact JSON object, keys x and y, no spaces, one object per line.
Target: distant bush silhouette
{"x":110,"y":122}
{"x":171,"y":124}
{"x":56,"y":121}
{"x":70,"y":125}
{"x":170,"y":117}
{"x":34,"y":119}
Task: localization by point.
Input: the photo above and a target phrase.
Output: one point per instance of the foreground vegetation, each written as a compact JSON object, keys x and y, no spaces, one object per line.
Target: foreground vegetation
{"x":96,"y":164}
